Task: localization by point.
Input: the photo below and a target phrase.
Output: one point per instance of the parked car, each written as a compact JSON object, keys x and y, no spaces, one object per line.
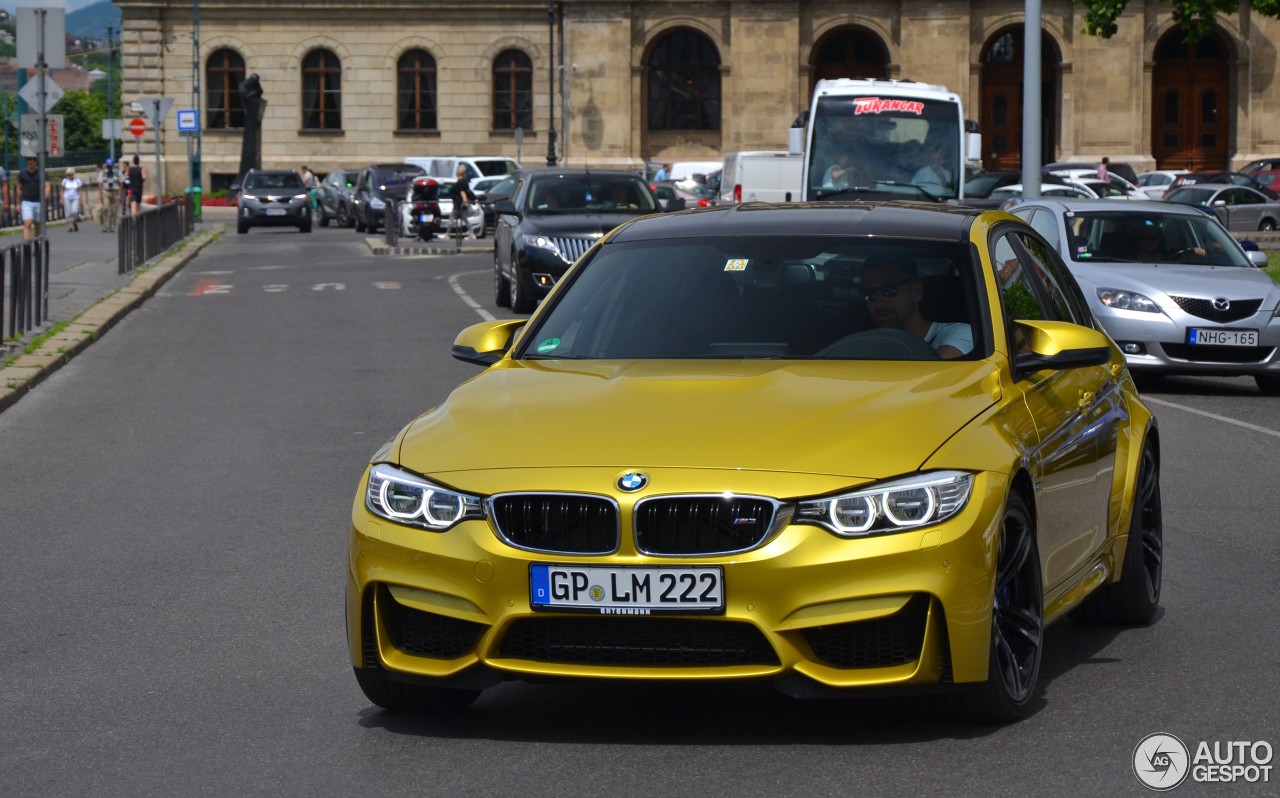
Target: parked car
{"x":490,"y":196}
{"x":1225,"y":178}
{"x":420,"y":212}
{"x":376,"y":185}
{"x":1267,"y":178}
{"x":553,"y":216}
{"x":1156,"y":183}
{"x":334,"y":198}
{"x":1240,"y":208}
{"x":1269,"y":164}
{"x":673,"y":196}
{"x":1170,"y":285}
{"x":993,"y":189}
{"x":1120,"y":186}
{"x":682,"y":171}
{"x":273,"y":198}
{"x":1124,"y":170}
{"x":702,"y":460}
{"x":1011,"y":196}
{"x":761,"y":176}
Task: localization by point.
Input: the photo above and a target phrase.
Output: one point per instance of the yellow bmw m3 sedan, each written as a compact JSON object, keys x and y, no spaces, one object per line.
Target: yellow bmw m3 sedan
{"x":841,"y":447}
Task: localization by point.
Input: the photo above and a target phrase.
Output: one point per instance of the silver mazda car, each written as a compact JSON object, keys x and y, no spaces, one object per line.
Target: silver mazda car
{"x":1169,"y":284}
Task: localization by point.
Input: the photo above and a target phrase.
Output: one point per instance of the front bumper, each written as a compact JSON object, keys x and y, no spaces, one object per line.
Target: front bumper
{"x":269,"y":214}
{"x":907,"y":610}
{"x":1161,"y":341}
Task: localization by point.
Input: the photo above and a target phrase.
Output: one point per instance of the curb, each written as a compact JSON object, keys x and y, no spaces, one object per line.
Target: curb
{"x":29,"y":370}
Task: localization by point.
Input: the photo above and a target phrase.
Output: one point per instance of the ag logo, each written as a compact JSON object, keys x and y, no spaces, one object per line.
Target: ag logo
{"x":632,"y":481}
{"x":1161,"y":762}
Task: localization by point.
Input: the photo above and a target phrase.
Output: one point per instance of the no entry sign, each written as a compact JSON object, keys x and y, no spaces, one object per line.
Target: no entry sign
{"x":137,"y":126}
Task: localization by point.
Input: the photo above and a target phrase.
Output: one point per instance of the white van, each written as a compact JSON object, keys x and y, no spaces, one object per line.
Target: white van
{"x":477,"y":165}
{"x":761,"y":176}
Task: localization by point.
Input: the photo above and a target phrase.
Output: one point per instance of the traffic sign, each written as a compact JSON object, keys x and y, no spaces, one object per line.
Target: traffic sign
{"x":156,"y":108}
{"x":53,"y":138}
{"x":30,"y":94}
{"x":188,"y":119}
{"x":137,"y":126}
{"x":112,"y":128}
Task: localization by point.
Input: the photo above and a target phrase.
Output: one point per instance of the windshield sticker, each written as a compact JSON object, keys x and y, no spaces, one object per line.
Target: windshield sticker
{"x":736,"y":265}
{"x":548,"y":346}
{"x":877,"y":105}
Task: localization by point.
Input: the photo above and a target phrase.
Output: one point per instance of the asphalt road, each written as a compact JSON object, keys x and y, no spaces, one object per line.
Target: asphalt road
{"x":173,"y":517}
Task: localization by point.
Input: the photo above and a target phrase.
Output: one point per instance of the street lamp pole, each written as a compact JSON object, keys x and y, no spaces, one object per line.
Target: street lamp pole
{"x":196,"y":165}
{"x":111,"y":64}
{"x":551,"y":84}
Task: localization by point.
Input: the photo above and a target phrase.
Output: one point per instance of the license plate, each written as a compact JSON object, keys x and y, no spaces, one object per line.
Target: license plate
{"x":1203,"y":337}
{"x":627,"y":591}
{"x":424,"y":218}
{"x":275,"y":211}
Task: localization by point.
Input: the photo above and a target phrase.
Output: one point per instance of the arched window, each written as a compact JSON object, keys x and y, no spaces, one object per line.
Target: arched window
{"x":416,"y":91}
{"x":512,"y":91}
{"x":223,"y":73}
{"x":321,"y":91}
{"x":684,"y":82}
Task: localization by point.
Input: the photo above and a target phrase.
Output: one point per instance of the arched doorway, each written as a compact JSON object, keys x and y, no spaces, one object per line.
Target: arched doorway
{"x":848,"y":52}
{"x":1189,"y":90}
{"x":1001,"y":99}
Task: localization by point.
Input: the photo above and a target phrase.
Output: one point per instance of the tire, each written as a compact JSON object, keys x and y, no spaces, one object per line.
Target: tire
{"x":359,"y":225}
{"x":501,"y":287}
{"x":521,"y":302}
{"x":397,"y":696}
{"x":1017,"y":628}
{"x":324,"y":217}
{"x":482,"y":232}
{"x":1267,"y":225}
{"x":305,"y":227}
{"x":1134,"y":599}
{"x":343,"y":219}
{"x":1269,"y":384}
{"x":242,"y":227}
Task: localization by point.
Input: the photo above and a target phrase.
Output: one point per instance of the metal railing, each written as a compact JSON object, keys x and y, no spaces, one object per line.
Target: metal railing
{"x":24,"y":271}
{"x":151,"y":231}
{"x":11,"y":213}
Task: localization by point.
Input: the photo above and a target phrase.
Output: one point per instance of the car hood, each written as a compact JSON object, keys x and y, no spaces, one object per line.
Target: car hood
{"x":863,"y":420}
{"x":592,"y":224}
{"x":1180,"y":279}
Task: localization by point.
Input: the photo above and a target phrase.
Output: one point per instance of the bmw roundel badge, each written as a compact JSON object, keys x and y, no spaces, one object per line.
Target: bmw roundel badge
{"x":632,"y":481}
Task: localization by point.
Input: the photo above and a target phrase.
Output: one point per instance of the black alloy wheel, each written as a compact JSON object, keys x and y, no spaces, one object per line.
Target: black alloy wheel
{"x":343,"y":219}
{"x":324,"y":217}
{"x":1017,"y":628}
{"x":1135,"y":597}
{"x":521,"y":302}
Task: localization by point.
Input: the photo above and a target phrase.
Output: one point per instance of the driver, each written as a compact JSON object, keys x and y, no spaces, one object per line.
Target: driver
{"x":893,"y":291}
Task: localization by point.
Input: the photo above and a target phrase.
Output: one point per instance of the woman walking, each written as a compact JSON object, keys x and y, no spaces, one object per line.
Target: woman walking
{"x":71,"y":186}
{"x":137,"y":177}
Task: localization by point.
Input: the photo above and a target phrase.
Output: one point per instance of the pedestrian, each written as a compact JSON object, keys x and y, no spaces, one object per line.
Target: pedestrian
{"x":1104,"y":171}
{"x":460,"y":193}
{"x":137,"y":179}
{"x":664,"y":173}
{"x":4,"y":197}
{"x":309,"y":183}
{"x":32,"y":207}
{"x":108,"y":196}
{"x":71,"y":186}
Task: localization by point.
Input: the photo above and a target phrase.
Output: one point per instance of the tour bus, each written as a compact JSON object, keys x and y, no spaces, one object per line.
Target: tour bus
{"x":884,"y":139}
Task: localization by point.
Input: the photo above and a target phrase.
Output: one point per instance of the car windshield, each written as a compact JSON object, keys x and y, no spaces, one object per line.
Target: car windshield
{"x":758,"y":297}
{"x":590,"y":194}
{"x":496,"y":168}
{"x":1190,"y":196}
{"x":1117,"y":237}
{"x":287,"y":180}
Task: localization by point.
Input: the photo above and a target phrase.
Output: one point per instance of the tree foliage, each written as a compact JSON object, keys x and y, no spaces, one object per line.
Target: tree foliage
{"x":1196,"y":17}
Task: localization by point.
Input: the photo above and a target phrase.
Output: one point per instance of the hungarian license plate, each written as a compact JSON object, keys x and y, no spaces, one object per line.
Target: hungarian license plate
{"x":275,"y":211}
{"x":1205,"y":337}
{"x":627,"y":590}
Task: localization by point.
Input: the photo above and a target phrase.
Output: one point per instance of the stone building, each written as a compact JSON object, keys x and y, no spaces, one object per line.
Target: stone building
{"x":348,"y":83}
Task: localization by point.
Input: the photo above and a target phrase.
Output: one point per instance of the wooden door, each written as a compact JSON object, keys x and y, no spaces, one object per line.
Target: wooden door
{"x":1190,"y":91}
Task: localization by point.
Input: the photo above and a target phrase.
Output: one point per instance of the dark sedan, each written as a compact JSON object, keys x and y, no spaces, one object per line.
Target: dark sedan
{"x":489,"y":196}
{"x":334,"y":198}
{"x":552,"y":218}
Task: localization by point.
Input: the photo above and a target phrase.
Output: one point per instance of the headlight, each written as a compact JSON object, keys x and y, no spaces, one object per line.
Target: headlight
{"x":894,"y":506}
{"x":1126,"y":300}
{"x":541,"y":242}
{"x":303,"y":196}
{"x":376,"y":202}
{"x":411,"y":500}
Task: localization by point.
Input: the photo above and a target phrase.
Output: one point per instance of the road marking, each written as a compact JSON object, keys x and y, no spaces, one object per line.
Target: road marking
{"x":275,"y":289}
{"x":327,"y":286}
{"x":471,"y":303}
{"x":1224,"y":419}
{"x":204,"y":287}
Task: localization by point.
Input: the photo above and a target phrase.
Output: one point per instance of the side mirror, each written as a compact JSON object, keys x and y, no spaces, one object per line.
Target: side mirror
{"x":1059,"y":345}
{"x":1258,"y":258}
{"x":485,"y":343}
{"x":1219,"y":203}
{"x":506,"y":207}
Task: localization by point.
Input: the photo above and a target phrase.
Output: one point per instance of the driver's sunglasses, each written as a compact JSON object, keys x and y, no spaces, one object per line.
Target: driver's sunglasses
{"x":886,"y":291}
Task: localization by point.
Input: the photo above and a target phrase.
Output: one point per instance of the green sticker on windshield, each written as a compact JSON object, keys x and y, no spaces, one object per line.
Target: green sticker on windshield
{"x":548,"y":346}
